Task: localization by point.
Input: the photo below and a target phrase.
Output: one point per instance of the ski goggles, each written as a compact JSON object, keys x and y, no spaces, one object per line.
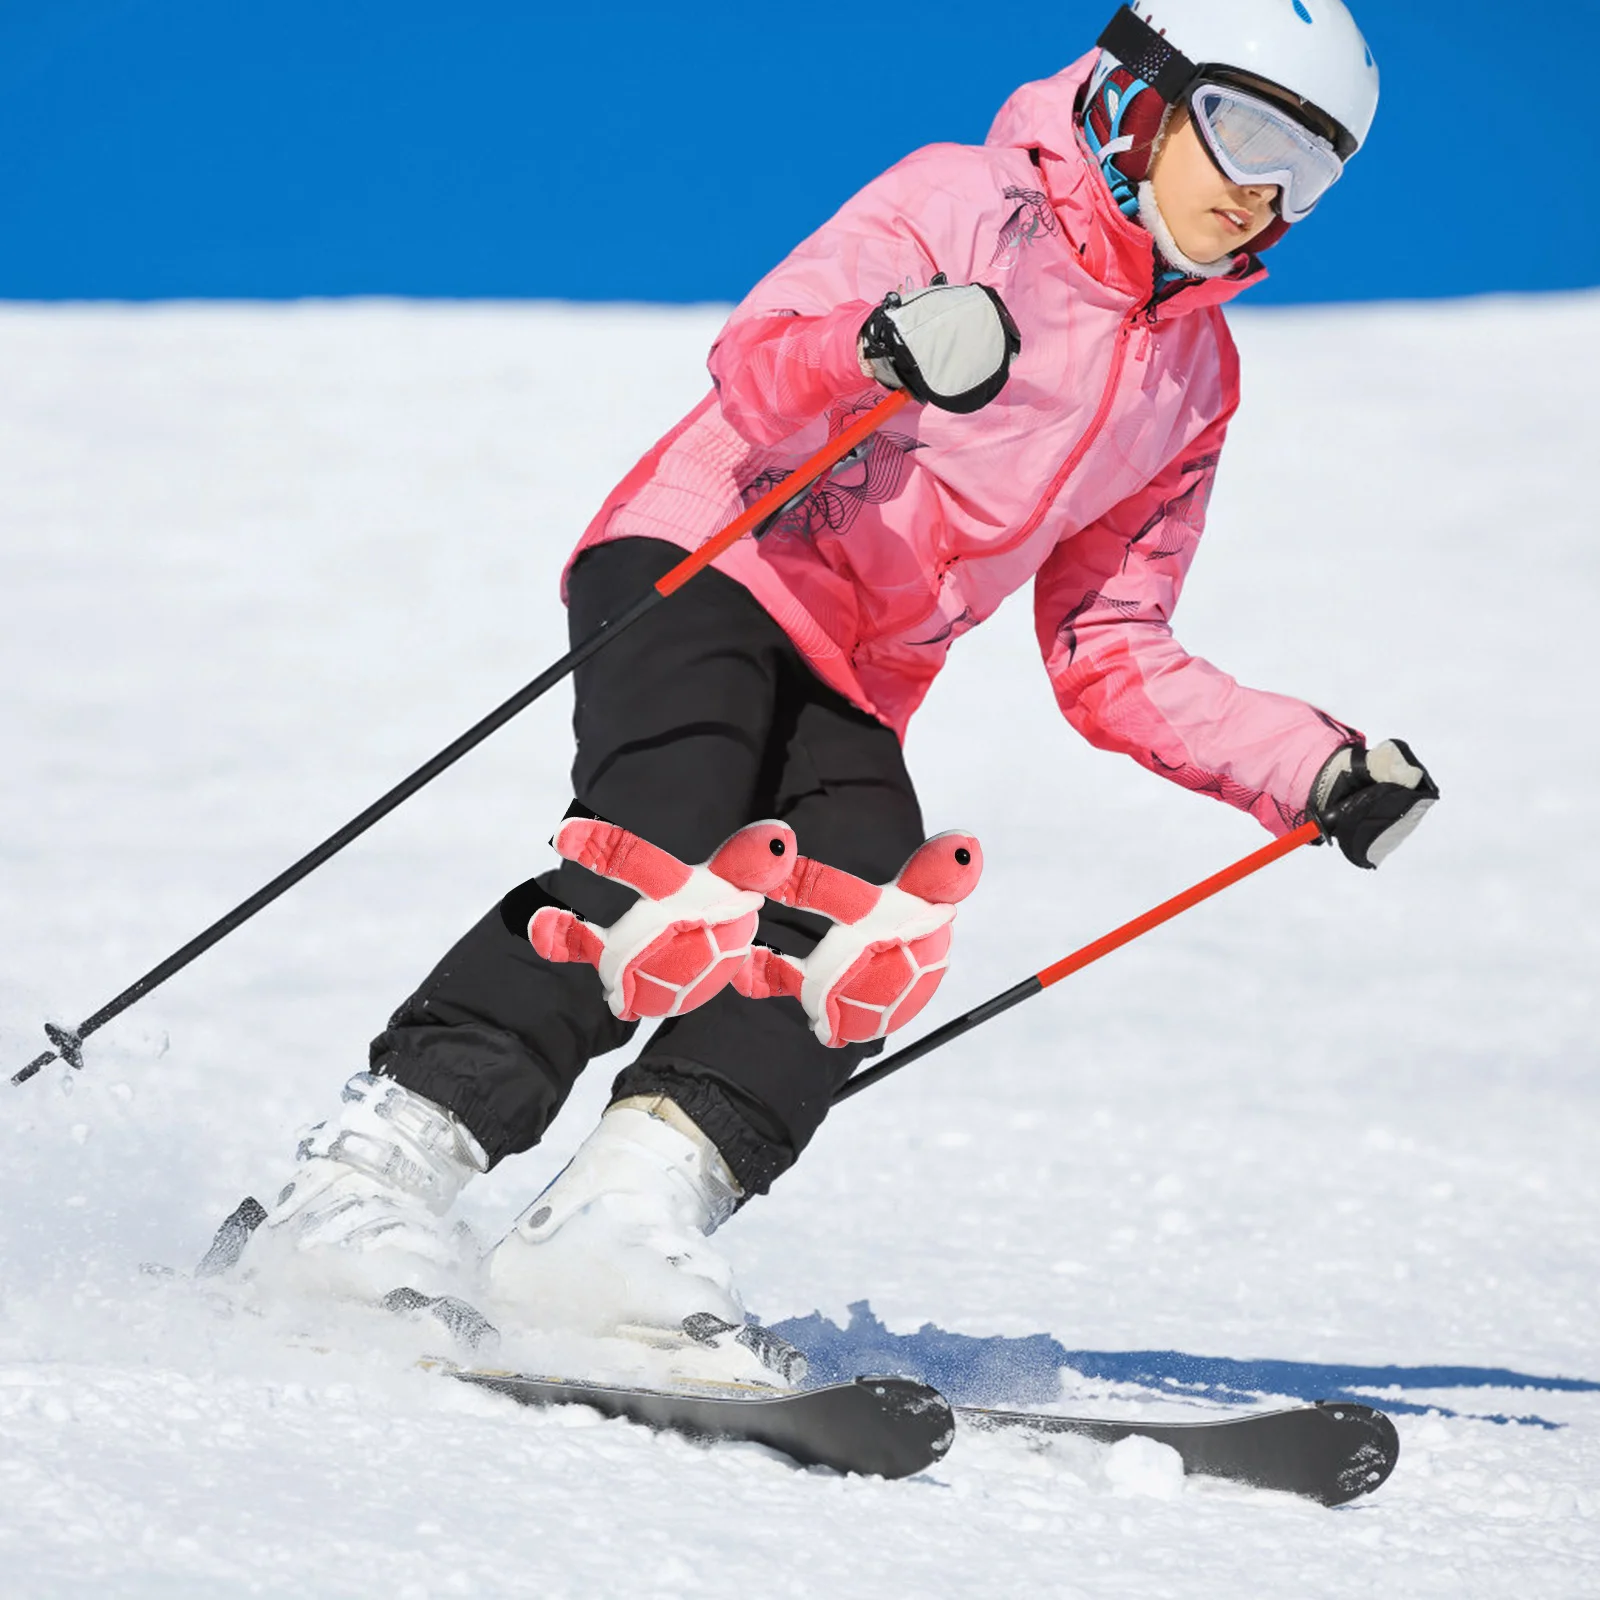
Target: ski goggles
{"x":1254,"y":141}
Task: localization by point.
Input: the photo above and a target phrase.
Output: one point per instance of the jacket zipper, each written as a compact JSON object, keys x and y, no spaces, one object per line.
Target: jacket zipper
{"x":1119,"y":359}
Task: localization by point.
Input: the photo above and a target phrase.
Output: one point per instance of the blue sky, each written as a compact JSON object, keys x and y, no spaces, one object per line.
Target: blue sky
{"x":208,"y":148}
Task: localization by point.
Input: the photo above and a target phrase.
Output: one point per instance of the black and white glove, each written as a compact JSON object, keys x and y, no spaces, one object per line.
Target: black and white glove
{"x":1368,"y":801}
{"x":950,"y":344}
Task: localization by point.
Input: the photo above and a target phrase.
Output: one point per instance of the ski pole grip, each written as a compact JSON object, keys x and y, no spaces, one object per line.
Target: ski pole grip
{"x":777,"y":497}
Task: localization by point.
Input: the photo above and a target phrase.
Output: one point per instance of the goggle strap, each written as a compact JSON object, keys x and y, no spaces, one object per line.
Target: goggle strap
{"x":1169,"y":71}
{"x":1147,"y":55}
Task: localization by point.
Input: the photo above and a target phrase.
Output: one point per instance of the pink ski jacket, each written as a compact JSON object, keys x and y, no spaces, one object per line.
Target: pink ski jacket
{"x":1089,"y":475}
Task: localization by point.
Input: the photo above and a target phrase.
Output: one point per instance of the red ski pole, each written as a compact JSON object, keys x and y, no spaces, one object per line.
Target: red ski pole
{"x":68,"y":1043}
{"x":1078,"y":960}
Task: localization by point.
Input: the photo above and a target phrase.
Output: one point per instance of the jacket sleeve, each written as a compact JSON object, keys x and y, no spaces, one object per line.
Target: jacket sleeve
{"x":777,"y":372}
{"x":789,"y":351}
{"x":1103,"y":605}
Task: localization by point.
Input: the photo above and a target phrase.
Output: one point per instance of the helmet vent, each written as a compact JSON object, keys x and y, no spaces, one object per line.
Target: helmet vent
{"x":1301,"y":12}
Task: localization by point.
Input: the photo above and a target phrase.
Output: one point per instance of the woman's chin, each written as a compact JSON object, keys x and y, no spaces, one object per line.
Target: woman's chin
{"x":1208,"y":246}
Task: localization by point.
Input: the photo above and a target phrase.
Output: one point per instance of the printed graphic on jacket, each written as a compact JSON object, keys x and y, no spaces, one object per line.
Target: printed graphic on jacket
{"x":959,"y":623}
{"x":1033,"y":218}
{"x":1067,"y":633}
{"x":1186,"y":511}
{"x":1199,"y":781}
{"x":870,"y":475}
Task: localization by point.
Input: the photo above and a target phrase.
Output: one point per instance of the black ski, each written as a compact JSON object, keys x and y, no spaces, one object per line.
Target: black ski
{"x":1332,"y":1451}
{"x":889,"y":1427}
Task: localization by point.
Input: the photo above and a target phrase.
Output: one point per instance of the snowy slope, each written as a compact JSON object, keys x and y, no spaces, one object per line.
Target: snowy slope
{"x":258,"y":563}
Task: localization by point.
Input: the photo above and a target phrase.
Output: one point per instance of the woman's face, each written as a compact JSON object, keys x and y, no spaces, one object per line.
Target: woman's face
{"x":1208,"y":214}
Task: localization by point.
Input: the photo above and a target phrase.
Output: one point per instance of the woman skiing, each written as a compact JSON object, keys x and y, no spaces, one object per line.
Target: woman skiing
{"x":1052,"y":299}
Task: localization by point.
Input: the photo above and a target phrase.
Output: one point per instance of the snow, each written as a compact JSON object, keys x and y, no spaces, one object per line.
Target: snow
{"x":1331,"y":1132}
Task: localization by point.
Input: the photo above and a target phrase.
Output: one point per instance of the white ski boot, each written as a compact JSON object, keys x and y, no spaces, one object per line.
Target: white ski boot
{"x":361,"y":1217}
{"x":615,"y":1248}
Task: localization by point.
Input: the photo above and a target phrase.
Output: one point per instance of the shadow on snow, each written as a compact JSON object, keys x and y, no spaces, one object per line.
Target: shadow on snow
{"x":1028,"y":1371}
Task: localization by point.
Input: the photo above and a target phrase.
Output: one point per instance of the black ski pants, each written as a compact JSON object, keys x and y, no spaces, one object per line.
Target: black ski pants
{"x":700,"y":718}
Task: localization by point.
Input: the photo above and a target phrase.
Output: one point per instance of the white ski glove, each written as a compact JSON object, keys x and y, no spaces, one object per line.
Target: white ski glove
{"x":878,"y":967}
{"x":689,"y":932}
{"x":950,"y":344}
{"x":1368,"y":802}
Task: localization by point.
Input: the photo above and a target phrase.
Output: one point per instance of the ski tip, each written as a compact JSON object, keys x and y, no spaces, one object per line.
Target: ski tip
{"x":1374,"y":1448}
{"x":908,"y":1399}
{"x":876,"y":1426}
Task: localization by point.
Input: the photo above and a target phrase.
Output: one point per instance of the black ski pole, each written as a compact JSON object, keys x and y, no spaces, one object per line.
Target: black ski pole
{"x":67,"y":1043}
{"x":1306,"y":833}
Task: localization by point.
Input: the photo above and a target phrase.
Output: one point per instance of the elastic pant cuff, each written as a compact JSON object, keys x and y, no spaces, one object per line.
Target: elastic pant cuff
{"x":755,"y":1159}
{"x":457,"y":1088}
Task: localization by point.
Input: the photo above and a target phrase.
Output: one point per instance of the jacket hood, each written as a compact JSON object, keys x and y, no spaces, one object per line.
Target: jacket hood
{"x":1041,"y":118}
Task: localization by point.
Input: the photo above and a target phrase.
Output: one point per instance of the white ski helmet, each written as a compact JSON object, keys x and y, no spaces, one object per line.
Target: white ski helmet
{"x":1310,"y":48}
